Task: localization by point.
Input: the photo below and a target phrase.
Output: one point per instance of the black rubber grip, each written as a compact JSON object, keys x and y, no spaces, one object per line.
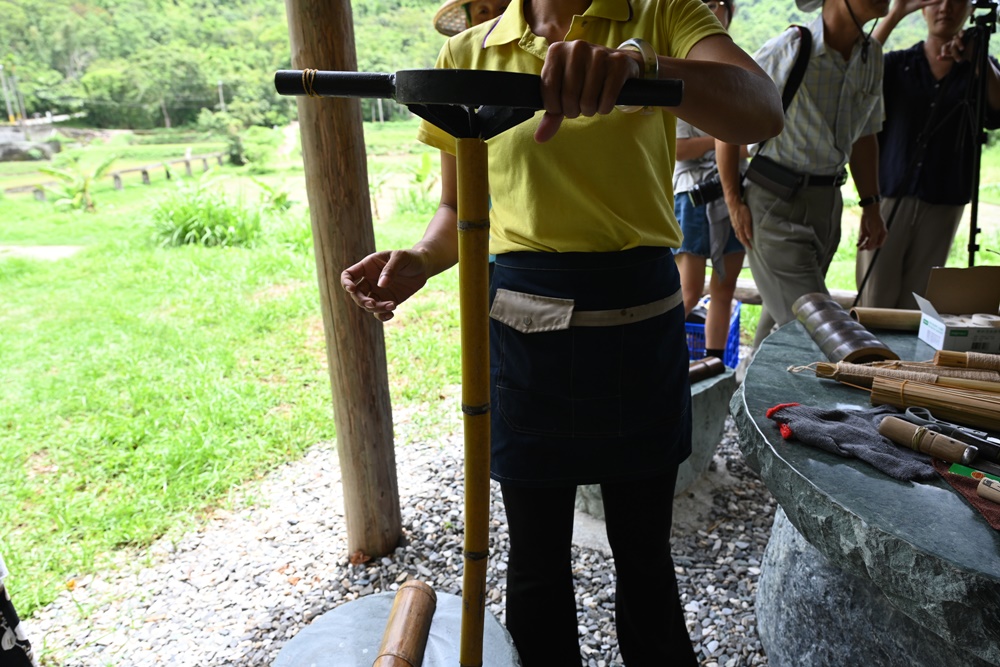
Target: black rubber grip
{"x":457,"y":87}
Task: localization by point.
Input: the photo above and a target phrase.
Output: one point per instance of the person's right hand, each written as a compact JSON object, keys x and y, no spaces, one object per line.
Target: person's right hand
{"x":383,"y":280}
{"x":742,"y":222}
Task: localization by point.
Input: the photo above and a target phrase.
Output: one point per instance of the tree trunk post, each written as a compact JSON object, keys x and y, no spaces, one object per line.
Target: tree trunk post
{"x":333,"y":152}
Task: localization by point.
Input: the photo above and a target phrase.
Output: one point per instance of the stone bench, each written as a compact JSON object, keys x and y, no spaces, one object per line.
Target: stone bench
{"x":861,"y":569}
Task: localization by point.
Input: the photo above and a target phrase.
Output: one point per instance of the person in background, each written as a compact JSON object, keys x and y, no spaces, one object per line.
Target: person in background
{"x":454,"y":16}
{"x":588,"y":357}
{"x":788,"y":215}
{"x":704,"y":221}
{"x":925,"y":149}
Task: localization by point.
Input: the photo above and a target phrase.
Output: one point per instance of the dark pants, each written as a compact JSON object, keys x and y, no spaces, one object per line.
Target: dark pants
{"x":541,"y":605}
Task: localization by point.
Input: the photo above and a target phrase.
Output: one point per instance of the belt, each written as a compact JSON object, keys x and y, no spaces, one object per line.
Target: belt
{"x":814,"y":181}
{"x":612,"y":318}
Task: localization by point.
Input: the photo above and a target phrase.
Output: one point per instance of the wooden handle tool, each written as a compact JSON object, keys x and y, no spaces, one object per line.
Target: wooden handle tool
{"x":989,"y":489}
{"x":929,"y":442}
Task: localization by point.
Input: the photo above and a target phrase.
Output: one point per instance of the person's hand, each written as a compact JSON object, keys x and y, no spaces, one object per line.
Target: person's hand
{"x":872,"y":233}
{"x":582,"y":79}
{"x":383,"y":280}
{"x":903,"y":8}
{"x":742,"y":222}
{"x":955,"y":49}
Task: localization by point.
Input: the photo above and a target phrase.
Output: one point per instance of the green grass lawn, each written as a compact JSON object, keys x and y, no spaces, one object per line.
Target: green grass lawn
{"x":142,"y":384}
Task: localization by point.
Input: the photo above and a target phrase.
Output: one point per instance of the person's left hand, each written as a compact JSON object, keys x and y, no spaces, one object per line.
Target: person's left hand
{"x":582,"y":79}
{"x":872,"y":233}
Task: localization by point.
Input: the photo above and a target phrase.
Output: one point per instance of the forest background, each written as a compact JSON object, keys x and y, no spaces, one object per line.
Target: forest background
{"x":143,"y":64}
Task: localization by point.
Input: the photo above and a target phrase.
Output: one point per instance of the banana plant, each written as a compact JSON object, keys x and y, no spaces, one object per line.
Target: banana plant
{"x":73,"y":190}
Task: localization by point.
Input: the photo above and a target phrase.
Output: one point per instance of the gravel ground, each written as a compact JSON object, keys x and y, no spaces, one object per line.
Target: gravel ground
{"x":250,"y":578}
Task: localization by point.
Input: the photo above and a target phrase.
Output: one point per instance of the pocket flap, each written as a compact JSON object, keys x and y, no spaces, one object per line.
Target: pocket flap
{"x":530,"y":313}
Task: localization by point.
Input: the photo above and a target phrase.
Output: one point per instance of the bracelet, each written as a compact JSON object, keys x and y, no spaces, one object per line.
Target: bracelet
{"x":651,"y":66}
{"x":868,"y":201}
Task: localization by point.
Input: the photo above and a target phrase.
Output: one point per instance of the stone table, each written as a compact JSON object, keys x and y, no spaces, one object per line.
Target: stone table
{"x":861,"y":569}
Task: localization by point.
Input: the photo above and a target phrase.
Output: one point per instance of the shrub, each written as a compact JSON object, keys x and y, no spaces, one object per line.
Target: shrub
{"x":195,"y":215}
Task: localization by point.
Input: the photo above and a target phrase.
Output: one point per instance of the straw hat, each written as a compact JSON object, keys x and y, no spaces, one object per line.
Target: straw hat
{"x":450,"y":18}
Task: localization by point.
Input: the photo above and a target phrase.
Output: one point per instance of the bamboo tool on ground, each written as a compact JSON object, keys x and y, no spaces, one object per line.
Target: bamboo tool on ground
{"x":705,"y":368}
{"x":965,"y":406}
{"x":838,"y":336}
{"x":887,"y":318}
{"x":967,"y":360}
{"x":409,"y":623}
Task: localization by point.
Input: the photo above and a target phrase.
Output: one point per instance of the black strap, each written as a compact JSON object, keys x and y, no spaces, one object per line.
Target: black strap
{"x":797,"y":74}
{"x":799,"y":68}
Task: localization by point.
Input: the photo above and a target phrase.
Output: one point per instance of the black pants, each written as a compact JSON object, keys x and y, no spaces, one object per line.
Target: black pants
{"x":541,"y":605}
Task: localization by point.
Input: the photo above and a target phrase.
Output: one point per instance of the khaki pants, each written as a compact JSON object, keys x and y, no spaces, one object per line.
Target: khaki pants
{"x":920,"y":238}
{"x":792,"y":246}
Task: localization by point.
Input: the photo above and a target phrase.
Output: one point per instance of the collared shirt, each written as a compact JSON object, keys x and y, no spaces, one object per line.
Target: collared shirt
{"x":916,"y":103}
{"x":602,"y":184}
{"x":837,"y":103}
{"x":689,"y":173}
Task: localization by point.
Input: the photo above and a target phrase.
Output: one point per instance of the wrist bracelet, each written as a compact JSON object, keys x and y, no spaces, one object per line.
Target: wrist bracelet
{"x":651,"y":66}
{"x":868,"y":201}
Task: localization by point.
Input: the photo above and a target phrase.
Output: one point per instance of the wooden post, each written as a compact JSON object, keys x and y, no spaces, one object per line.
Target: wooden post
{"x":333,"y":152}
{"x":145,"y":176}
{"x":187,"y":167}
{"x":118,"y":180}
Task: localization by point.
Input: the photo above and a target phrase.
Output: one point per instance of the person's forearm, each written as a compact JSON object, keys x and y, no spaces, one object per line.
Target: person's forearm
{"x":715,"y":74}
{"x":727,"y":157}
{"x":439,"y":245}
{"x":864,"y":166}
{"x":885,"y":27}
{"x":692,"y":148}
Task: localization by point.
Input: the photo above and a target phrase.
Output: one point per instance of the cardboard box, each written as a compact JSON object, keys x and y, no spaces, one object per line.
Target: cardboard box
{"x":960,"y":292}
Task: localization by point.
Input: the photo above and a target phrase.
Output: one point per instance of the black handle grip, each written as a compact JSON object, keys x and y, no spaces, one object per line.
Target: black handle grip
{"x":457,"y":87}
{"x":334,"y":84}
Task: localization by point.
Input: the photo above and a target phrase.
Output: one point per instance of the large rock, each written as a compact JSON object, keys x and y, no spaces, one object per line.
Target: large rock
{"x":813,"y":614}
{"x":709,"y":407}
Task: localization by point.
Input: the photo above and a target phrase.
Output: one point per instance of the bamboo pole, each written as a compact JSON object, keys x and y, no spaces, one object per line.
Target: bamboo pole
{"x":887,"y":318}
{"x":473,"y":275}
{"x":967,"y":360}
{"x":333,"y":153}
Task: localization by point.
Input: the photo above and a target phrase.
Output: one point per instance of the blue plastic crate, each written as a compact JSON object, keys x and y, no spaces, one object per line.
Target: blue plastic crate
{"x":696,"y":338}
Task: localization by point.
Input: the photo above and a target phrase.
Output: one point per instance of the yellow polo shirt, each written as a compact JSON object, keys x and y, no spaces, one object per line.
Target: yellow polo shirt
{"x":603,"y":183}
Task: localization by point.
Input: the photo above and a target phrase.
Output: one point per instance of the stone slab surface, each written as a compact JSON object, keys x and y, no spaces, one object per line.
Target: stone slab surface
{"x":929,"y":552}
{"x":351,"y":634}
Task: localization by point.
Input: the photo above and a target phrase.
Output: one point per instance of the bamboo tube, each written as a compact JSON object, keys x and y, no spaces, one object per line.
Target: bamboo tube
{"x":863,"y":374}
{"x":473,"y":261}
{"x":967,"y":360}
{"x":807,"y":304}
{"x":919,"y":439}
{"x":405,"y":636}
{"x":963,"y":406}
{"x":887,"y":318}
{"x":705,"y":368}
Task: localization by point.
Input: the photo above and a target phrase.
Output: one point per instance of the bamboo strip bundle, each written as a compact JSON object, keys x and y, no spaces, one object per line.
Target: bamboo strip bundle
{"x":963,"y":406}
{"x":862,"y":375}
{"x":945,"y":371}
{"x":967,"y":360}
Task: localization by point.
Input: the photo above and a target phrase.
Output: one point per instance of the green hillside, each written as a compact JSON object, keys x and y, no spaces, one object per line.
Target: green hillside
{"x":149,"y":63}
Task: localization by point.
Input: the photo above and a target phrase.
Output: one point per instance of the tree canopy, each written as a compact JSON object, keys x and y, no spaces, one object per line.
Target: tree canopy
{"x":150,"y":63}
